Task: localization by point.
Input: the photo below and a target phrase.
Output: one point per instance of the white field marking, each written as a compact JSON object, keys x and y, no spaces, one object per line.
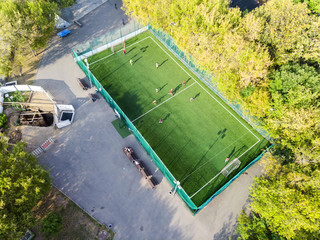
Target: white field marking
{"x":206,"y":90}
{"x":215,"y":156}
{"x":162,"y":103}
{"x":220,"y":172}
{"x":118,"y":51}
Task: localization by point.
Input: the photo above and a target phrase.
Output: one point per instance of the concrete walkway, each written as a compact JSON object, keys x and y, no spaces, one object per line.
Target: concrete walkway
{"x":82,"y":8}
{"x":88,"y":165}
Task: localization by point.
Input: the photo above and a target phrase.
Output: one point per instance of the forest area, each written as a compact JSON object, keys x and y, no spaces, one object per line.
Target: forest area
{"x":268,"y":61}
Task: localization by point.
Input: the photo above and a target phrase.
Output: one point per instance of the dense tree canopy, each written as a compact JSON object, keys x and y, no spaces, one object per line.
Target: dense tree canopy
{"x":295,"y":91}
{"x":267,"y":60}
{"x":288,"y":199}
{"x":22,"y":183}
{"x":25,"y":25}
{"x":313,"y":5}
{"x":289,"y":31}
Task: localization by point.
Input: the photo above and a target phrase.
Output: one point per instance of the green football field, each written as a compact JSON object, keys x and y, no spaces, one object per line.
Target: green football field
{"x":195,"y":137}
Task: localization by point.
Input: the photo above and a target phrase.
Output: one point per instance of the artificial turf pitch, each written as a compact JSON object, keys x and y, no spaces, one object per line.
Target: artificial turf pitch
{"x":195,"y":137}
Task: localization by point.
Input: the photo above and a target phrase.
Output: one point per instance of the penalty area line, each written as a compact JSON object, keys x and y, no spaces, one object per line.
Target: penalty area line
{"x":221,"y":171}
{"x":119,"y":51}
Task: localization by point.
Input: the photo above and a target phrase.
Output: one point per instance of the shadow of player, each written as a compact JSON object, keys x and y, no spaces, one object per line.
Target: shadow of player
{"x":143,"y":49}
{"x":197,"y":95}
{"x":163,"y":62}
{"x":163,"y":86}
{"x":131,"y":50}
{"x":222,"y":133}
{"x":137,"y":59}
{"x":160,"y":99}
{"x":166,"y":117}
{"x":178,"y":87}
{"x":232,"y":152}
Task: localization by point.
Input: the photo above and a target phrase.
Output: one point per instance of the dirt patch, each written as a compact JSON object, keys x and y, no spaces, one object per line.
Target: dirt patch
{"x":15,"y":136}
{"x":76,"y":223}
{"x":36,"y":118}
{"x":29,"y":68}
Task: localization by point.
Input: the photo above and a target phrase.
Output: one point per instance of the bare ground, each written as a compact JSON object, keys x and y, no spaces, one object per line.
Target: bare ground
{"x":29,"y":68}
{"x":76,"y":223}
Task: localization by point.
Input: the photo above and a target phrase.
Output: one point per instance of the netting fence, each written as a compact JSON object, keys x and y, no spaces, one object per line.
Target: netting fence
{"x":109,"y":39}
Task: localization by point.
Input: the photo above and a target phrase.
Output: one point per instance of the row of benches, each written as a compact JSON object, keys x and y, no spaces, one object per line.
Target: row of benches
{"x":140,"y":166}
{"x":85,"y":86}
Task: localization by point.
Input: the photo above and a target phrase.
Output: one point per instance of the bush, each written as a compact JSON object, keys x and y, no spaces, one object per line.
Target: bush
{"x":3,"y":120}
{"x":52,"y":224}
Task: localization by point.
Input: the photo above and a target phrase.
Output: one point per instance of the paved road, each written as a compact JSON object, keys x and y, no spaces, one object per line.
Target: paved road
{"x":88,"y":165}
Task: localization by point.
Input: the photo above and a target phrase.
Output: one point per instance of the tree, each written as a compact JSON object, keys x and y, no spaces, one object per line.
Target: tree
{"x":64,"y":3}
{"x":52,"y":224}
{"x":39,"y":22}
{"x":22,"y":184}
{"x":313,"y":5}
{"x":294,"y":119}
{"x":24,"y":25}
{"x":253,"y":227}
{"x":290,"y":32}
{"x":10,"y":43}
{"x":289,"y":201}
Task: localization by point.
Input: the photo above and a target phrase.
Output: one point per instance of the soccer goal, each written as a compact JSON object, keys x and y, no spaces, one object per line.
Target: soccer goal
{"x":231,"y":167}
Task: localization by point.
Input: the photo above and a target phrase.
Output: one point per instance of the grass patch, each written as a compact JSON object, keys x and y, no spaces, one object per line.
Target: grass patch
{"x":121,"y":128}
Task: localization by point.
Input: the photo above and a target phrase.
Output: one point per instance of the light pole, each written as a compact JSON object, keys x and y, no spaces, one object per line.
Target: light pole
{"x":86,"y":60}
{"x":174,"y":190}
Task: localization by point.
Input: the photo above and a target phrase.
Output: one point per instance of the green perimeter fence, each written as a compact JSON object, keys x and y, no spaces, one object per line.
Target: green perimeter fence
{"x":127,"y":32}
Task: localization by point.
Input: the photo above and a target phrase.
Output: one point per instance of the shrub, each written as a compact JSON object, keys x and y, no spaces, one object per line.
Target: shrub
{"x":52,"y":224}
{"x":3,"y":120}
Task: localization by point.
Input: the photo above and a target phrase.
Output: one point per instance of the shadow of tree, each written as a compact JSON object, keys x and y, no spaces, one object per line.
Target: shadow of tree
{"x":227,"y":231}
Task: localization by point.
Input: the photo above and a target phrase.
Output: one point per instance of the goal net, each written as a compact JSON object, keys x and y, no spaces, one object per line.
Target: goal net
{"x":231,"y":167}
